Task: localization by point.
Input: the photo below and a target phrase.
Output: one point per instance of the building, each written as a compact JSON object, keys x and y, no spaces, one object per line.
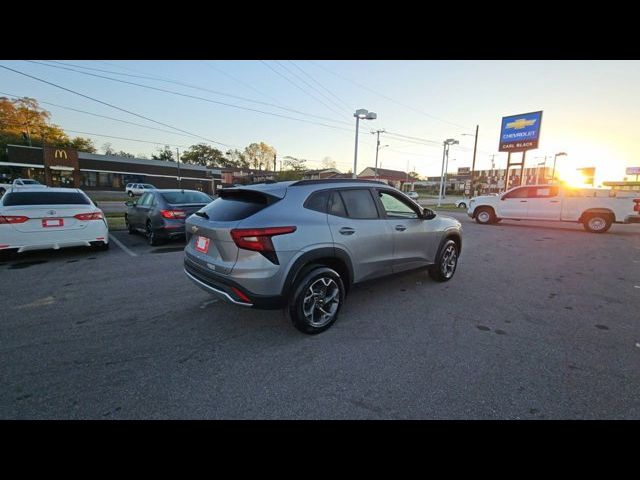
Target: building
{"x":491,"y":181}
{"x":395,"y":178}
{"x":626,"y":186}
{"x":243,"y":176}
{"x":321,"y":174}
{"x":66,"y":167}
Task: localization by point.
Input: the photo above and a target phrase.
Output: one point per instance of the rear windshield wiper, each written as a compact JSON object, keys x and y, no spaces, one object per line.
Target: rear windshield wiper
{"x":203,"y":215}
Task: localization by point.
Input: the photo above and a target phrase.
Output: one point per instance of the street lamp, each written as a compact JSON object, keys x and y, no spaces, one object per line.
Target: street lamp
{"x":553,"y":174}
{"x":445,"y":155}
{"x":363,"y":114}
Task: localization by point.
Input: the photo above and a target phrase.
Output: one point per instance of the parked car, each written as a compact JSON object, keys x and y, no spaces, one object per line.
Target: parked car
{"x":137,"y":188}
{"x":302,"y":245}
{"x":413,"y":195}
{"x":160,"y":214}
{"x":554,"y":203}
{"x":54,"y":218}
{"x":464,"y":203}
{"x":20,"y":183}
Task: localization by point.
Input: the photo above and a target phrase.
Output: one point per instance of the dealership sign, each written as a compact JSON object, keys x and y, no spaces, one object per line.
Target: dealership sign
{"x":520,"y":132}
{"x":633,"y":170}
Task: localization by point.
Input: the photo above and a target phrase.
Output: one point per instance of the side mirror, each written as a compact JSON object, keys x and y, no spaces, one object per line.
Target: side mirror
{"x":130,"y":203}
{"x":428,"y":214}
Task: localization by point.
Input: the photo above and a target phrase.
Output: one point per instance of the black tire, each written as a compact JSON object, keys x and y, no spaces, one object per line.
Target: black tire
{"x":485,"y":216}
{"x":597,"y":222}
{"x":446,"y":262}
{"x":325,"y":282}
{"x":130,"y":193}
{"x":130,"y":229}
{"x":152,"y":237}
{"x":462,"y":205}
{"x":2,"y":190}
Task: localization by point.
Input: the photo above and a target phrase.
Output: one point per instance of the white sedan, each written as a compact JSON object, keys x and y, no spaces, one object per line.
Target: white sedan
{"x":51,"y":219}
{"x":463,"y":203}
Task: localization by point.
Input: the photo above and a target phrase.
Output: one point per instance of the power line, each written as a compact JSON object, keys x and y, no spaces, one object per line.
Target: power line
{"x":173,"y":92}
{"x":321,"y":85}
{"x":110,"y":105}
{"x":386,"y":96}
{"x":333,"y":102}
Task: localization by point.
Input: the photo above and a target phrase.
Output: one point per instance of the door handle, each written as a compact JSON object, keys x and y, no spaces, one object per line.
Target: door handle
{"x":554,"y":201}
{"x":347,"y":231}
{"x":401,"y":228}
{"x":523,"y":201}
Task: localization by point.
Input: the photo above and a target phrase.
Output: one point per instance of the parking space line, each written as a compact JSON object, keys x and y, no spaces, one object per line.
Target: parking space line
{"x":121,"y":245}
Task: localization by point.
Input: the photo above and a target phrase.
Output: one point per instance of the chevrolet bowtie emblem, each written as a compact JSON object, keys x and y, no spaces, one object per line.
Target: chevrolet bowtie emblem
{"x":521,"y":123}
{"x":194,"y":229}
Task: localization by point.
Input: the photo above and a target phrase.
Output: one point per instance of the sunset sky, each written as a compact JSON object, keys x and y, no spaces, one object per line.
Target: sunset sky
{"x":591,"y":108}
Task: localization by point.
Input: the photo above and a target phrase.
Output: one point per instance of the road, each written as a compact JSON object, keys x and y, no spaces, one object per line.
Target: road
{"x":539,"y":322}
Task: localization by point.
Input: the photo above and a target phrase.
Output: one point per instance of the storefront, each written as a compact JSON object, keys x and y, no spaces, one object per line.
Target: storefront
{"x":58,"y":167}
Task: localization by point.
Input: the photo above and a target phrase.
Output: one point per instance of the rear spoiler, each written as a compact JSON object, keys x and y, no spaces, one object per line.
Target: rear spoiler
{"x":251,"y":195}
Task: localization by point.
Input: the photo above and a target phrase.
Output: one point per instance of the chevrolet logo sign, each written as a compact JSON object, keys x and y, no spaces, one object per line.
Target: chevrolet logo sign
{"x":521,"y":123}
{"x":60,"y":154}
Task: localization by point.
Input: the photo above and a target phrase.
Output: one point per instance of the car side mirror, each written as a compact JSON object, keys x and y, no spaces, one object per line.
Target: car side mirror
{"x":129,"y":203}
{"x":428,"y":214}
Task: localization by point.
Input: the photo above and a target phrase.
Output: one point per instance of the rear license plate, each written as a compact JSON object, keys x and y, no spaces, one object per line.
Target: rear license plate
{"x":52,"y":222}
{"x":202,"y":244}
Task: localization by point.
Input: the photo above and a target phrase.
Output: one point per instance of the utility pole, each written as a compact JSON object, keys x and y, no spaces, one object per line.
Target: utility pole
{"x":444,"y":153}
{"x":178,"y":157}
{"x":377,"y":148}
{"x":473,"y":165}
{"x":274,"y":163}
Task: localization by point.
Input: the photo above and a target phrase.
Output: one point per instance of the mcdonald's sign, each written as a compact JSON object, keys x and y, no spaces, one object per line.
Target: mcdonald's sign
{"x":60,"y":154}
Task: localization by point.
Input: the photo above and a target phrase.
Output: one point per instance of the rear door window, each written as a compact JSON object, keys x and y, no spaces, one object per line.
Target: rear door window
{"x":45,"y":198}
{"x":336,"y":205}
{"x":359,"y":204}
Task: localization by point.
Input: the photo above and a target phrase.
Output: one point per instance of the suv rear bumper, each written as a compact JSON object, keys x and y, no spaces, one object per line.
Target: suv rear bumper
{"x":223,"y":288}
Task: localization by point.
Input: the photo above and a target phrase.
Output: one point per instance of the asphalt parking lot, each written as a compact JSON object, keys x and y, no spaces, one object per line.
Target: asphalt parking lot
{"x":540,"y":321}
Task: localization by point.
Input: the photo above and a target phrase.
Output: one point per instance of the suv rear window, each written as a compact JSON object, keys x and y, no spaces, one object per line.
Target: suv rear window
{"x":186,"y":197}
{"x":45,"y":198}
{"x":236,"y":205}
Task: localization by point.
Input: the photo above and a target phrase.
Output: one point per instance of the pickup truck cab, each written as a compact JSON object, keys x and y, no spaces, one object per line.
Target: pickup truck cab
{"x":596,"y":209}
{"x":20,"y":183}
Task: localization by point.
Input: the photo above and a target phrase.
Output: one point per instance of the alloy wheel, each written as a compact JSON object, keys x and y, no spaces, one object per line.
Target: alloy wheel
{"x":321,"y":301}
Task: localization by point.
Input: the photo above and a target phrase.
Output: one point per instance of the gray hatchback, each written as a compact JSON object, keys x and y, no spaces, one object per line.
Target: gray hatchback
{"x":302,"y":245}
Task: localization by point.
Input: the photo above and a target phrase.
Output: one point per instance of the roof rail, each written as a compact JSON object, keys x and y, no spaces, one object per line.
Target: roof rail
{"x":334,"y":180}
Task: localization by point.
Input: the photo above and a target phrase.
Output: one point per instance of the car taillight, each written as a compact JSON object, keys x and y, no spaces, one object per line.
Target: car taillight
{"x":172,"y":214}
{"x":13,"y":219}
{"x":89,"y":216}
{"x":259,"y":239}
{"x":636,"y":207}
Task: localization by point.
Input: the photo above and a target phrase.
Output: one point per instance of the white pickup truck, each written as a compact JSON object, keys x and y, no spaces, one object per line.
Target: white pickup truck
{"x":19,"y":183}
{"x":596,"y":209}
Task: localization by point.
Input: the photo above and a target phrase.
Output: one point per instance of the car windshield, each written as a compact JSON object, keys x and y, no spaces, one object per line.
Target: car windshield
{"x":45,"y":198}
{"x":186,"y":196}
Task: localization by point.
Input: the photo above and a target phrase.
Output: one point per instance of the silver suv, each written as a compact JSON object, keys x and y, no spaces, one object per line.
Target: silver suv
{"x":302,"y":245}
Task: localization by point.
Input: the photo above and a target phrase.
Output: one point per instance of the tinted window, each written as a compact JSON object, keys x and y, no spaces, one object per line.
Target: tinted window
{"x":146,"y":185}
{"x":336,"y":206}
{"x":359,"y":204}
{"x":185,"y":197}
{"x":30,"y":182}
{"x":318,"y":201}
{"x":394,"y":207}
{"x":145,"y":199}
{"x":45,"y":198}
{"x":232,"y":206}
{"x":522,"y":192}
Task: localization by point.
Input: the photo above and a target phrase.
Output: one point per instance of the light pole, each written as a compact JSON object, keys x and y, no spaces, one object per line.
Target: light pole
{"x":553,"y":174}
{"x":445,"y":156}
{"x":378,"y":132}
{"x":473,"y":164}
{"x":364,"y":114}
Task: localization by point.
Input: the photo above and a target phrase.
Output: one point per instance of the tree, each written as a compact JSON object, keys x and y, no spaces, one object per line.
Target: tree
{"x":260,"y":155}
{"x":414,"y":176}
{"x":328,"y":162}
{"x":83,"y":145}
{"x":164,"y":154}
{"x":205,"y":155}
{"x":235,"y":158}
{"x":294,"y":169}
{"x":23,"y":121}
{"x":107,"y":149}
{"x":122,"y":153}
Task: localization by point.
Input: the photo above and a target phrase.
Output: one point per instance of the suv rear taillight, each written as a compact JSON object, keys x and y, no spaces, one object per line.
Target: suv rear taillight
{"x":173,"y":214}
{"x":259,"y":239}
{"x":636,"y":207}
{"x":89,"y":216}
{"x":13,"y":219}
